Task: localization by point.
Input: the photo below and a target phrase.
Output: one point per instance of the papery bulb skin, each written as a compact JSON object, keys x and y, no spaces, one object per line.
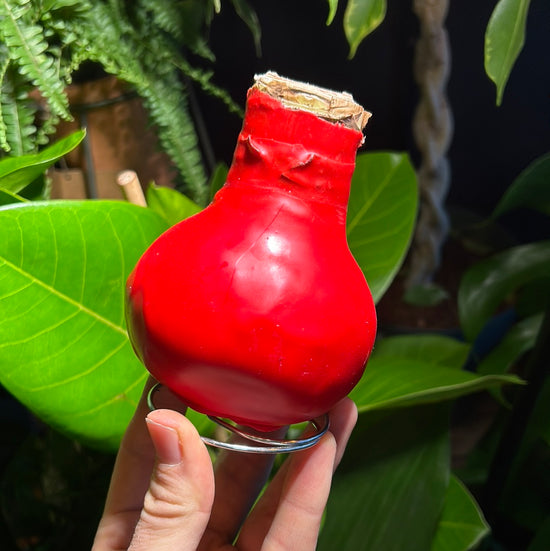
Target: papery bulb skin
{"x":254,"y":309}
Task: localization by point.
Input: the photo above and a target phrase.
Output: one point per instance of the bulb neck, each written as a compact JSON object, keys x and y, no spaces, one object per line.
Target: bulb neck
{"x":294,"y":150}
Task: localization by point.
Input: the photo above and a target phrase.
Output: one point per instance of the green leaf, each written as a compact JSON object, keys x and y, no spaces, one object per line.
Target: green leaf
{"x":409,"y":370}
{"x":360,"y":19}
{"x":218,"y":178}
{"x":530,"y":189}
{"x":519,"y":339}
{"x":172,"y":205}
{"x":381,"y":214}
{"x":250,"y":18}
{"x":433,"y":349}
{"x":18,"y":172}
{"x":389,"y":491}
{"x":7,"y":198}
{"x":64,"y":349}
{"x":428,"y":294}
{"x":504,"y":39}
{"x":486,"y":284}
{"x":332,"y":8}
{"x":462,"y":525}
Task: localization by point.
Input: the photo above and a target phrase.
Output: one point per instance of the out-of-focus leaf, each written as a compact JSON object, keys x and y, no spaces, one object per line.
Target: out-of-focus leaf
{"x":64,"y":349}
{"x":429,"y":294}
{"x":530,"y":189}
{"x":7,"y":198}
{"x":218,"y":179}
{"x":172,"y":205}
{"x":486,"y":284}
{"x":360,"y":19}
{"x":430,"y":349}
{"x":504,"y":40}
{"x":332,"y":7}
{"x":247,"y":13}
{"x":18,"y":172}
{"x":516,"y":342}
{"x":381,"y":215}
{"x":462,"y":525}
{"x":389,"y":491}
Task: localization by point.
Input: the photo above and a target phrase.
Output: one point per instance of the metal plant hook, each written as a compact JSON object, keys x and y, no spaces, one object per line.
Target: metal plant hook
{"x":248,"y":442}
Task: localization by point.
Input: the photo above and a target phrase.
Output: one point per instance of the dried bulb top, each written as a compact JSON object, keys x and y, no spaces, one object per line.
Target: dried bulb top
{"x":336,"y":107}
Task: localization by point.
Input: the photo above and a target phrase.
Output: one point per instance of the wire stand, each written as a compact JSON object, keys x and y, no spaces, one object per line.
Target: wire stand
{"x":253,"y":443}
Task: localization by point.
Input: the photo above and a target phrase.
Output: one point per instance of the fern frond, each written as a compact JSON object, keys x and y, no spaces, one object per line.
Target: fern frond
{"x":17,"y":114}
{"x":168,"y":107}
{"x":28,"y":47}
{"x":121,"y":51}
{"x":203,"y":79}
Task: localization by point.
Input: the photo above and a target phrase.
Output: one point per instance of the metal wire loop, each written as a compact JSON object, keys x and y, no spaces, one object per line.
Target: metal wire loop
{"x":253,"y":443}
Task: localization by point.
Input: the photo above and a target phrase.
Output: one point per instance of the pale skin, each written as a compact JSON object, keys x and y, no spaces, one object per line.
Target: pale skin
{"x":165,"y":494}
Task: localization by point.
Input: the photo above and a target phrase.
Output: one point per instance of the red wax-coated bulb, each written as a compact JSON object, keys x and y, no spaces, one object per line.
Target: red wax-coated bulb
{"x":254,"y":309}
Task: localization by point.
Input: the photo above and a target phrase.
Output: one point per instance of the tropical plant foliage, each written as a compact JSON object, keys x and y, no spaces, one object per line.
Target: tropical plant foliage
{"x":144,"y":43}
{"x":504,"y":37}
{"x":63,"y":265}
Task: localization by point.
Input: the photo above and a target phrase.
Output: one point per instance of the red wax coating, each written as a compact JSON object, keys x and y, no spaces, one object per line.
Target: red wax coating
{"x":254,"y":309}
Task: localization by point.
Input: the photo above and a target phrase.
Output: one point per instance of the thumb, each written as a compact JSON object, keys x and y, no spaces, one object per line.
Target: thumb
{"x":178,"y":502}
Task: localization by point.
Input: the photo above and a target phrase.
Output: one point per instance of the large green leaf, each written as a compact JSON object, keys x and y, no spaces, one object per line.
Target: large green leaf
{"x":64,"y":350}
{"x":486,"y":284}
{"x":381,"y":214}
{"x":388,"y":493}
{"x":433,"y":349}
{"x":405,"y":371}
{"x":18,"y":172}
{"x":360,"y":19}
{"x":530,"y":189}
{"x":462,"y":525}
{"x":504,"y":40}
{"x":398,"y":382}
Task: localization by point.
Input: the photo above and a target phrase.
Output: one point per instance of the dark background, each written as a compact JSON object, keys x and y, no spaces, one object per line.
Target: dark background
{"x":491,"y":145}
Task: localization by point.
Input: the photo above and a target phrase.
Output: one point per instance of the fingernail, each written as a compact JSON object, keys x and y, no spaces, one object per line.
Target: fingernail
{"x":166,"y":442}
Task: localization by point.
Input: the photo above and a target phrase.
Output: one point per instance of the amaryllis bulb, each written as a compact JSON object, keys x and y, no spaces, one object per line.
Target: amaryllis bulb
{"x":254,"y":309}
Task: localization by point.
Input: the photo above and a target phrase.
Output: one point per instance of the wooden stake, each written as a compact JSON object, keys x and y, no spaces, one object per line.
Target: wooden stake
{"x":129,"y":182}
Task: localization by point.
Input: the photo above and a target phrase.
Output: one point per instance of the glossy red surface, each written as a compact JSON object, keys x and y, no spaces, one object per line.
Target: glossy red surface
{"x":254,"y":309}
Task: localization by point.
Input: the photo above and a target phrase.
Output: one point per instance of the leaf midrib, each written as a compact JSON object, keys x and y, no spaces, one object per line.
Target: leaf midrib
{"x":66,"y":298}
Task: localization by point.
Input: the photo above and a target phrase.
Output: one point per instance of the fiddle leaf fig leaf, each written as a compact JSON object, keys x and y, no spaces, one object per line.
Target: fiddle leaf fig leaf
{"x":486,"y":284}
{"x":462,"y":525}
{"x":381,"y":215}
{"x":64,"y":349}
{"x":360,"y":19}
{"x":530,"y":189}
{"x":504,"y":40}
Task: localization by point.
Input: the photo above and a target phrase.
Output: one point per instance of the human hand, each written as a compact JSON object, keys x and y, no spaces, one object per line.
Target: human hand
{"x":165,"y":494}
